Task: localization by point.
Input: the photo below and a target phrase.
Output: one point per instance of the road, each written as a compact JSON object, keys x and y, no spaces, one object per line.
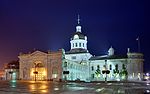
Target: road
{"x":47,"y":87}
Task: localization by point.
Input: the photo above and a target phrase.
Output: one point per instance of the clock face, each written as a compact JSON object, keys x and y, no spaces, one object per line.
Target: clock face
{"x":76,"y":37}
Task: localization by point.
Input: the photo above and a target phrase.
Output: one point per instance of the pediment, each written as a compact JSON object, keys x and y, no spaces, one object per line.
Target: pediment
{"x":38,"y":53}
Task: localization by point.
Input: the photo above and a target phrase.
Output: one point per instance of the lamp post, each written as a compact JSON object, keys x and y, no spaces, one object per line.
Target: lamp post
{"x":35,"y":72}
{"x":11,"y":72}
{"x":138,"y":42}
{"x":105,"y":71}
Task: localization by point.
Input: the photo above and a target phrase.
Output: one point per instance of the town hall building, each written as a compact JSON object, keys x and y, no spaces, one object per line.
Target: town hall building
{"x":79,"y":64}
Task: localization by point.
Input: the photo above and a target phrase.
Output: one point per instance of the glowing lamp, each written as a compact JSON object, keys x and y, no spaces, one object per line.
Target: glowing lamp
{"x":147,"y":74}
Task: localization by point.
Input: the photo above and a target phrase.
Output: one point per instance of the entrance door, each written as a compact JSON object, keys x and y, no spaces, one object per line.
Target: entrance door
{"x":40,"y":75}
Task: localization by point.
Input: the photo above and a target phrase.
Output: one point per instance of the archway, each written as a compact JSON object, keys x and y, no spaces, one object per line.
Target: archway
{"x":38,"y":71}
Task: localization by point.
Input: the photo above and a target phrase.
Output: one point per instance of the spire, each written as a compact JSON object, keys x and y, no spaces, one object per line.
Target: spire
{"x":78,"y":19}
{"x":78,"y":27}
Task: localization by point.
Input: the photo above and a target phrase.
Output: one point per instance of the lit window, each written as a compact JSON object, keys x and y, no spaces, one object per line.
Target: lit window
{"x":54,"y":72}
{"x":54,"y":75}
{"x":133,"y":74}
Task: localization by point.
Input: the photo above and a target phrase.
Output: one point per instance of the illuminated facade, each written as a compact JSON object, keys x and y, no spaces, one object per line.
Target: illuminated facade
{"x":82,"y":65}
{"x":41,"y":65}
{"x":79,"y":64}
{"x":120,"y":67}
{"x":77,"y":59}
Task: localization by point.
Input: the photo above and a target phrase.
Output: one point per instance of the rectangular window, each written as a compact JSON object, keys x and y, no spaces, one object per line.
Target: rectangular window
{"x":76,"y":44}
{"x":79,"y":44}
{"x":92,"y":76}
{"x":73,"y":57}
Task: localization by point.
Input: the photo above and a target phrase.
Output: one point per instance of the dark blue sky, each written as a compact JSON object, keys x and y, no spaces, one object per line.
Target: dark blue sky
{"x":49,"y":24}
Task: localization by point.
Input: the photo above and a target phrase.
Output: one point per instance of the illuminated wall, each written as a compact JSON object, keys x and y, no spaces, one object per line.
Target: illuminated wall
{"x":77,"y":70}
{"x":41,"y":73}
{"x":41,"y":66}
{"x":129,"y":67}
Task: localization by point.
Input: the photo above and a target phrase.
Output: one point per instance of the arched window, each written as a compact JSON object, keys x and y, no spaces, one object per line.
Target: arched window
{"x":39,"y":65}
{"x":123,"y":66}
{"x":73,"y":44}
{"x":24,"y":72}
{"x":76,"y":45}
{"x":110,"y":67}
{"x":65,"y":64}
{"x":116,"y":66}
{"x":79,"y":44}
{"x":98,"y":67}
{"x":92,"y":68}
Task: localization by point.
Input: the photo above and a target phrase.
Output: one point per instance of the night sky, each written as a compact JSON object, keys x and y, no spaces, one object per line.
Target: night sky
{"x":48,"y":25}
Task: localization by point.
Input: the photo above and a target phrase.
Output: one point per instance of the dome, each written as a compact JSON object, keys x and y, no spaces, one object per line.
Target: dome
{"x":78,"y":35}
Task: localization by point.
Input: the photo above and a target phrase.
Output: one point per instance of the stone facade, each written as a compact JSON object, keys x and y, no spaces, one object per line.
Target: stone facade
{"x":41,"y":66}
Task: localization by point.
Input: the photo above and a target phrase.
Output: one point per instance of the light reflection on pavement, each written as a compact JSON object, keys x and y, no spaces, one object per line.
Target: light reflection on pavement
{"x":47,"y":87}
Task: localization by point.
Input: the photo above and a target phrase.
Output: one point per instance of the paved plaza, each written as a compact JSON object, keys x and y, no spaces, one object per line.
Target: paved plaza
{"x":47,"y":87}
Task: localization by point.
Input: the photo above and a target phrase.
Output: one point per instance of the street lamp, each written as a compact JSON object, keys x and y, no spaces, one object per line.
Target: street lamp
{"x":11,"y":72}
{"x":35,"y":72}
{"x":105,"y":71}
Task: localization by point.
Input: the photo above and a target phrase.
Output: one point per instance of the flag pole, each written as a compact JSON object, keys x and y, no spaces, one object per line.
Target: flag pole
{"x":138,"y":40}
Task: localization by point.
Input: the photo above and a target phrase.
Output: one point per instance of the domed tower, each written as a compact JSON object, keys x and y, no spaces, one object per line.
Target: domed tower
{"x":78,"y":55}
{"x":111,"y":51}
{"x":78,"y":40}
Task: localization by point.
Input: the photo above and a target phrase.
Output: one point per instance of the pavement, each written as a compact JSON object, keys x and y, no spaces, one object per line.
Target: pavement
{"x":49,"y":87}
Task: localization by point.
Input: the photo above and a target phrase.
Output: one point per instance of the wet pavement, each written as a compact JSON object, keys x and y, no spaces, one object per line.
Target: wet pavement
{"x":47,"y":87}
